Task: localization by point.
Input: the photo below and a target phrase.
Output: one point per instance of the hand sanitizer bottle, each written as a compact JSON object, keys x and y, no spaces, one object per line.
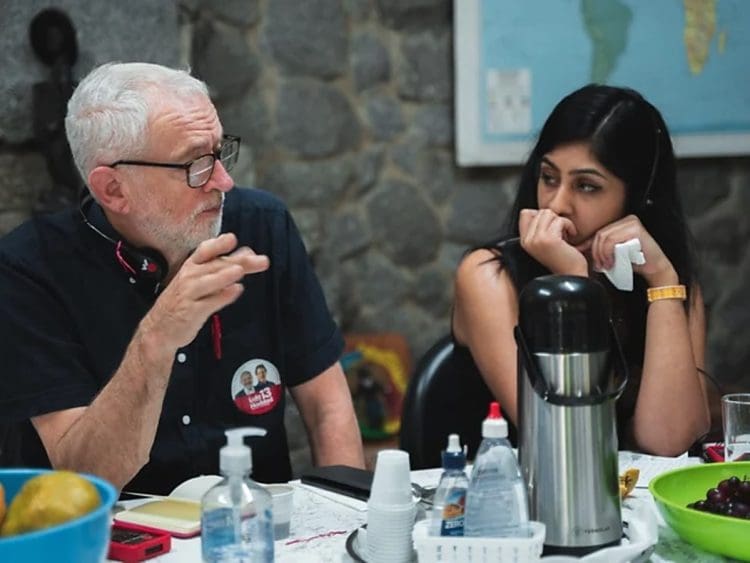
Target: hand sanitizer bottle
{"x":450,"y":496}
{"x":236,"y":519}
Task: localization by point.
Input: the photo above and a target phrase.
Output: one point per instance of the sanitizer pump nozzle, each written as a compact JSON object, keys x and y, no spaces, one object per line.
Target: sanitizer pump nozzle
{"x":236,"y":457}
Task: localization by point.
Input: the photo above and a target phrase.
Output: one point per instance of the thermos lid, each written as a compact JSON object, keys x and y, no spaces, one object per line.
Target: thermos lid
{"x":564,"y":314}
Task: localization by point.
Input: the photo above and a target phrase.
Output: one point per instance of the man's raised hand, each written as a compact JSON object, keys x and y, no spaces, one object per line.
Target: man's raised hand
{"x":209,"y":280}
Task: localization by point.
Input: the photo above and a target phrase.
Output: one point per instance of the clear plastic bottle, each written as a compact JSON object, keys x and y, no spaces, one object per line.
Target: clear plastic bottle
{"x":236,"y":518}
{"x":450,"y":497}
{"x":496,"y":502}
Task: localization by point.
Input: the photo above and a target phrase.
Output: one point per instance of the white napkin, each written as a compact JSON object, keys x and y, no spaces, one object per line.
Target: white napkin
{"x":195,"y":488}
{"x":626,"y":254}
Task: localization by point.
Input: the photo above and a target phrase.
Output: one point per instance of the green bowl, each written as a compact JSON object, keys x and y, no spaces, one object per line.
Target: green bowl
{"x":672,"y":492}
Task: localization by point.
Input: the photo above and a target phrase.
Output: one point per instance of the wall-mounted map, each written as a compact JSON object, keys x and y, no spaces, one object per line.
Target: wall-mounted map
{"x":515,"y":59}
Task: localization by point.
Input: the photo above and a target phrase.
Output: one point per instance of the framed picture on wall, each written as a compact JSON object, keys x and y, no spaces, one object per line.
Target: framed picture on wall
{"x":514,"y":60}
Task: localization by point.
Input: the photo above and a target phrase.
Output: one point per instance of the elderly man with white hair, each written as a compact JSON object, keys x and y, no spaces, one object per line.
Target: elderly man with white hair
{"x":128,"y":321}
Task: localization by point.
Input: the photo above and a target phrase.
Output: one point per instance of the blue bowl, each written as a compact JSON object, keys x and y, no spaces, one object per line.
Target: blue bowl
{"x":82,"y":540}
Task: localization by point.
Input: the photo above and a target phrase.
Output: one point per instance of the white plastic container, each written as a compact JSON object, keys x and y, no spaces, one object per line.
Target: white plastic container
{"x":390,"y":510}
{"x":477,"y":550}
{"x":496,"y":500}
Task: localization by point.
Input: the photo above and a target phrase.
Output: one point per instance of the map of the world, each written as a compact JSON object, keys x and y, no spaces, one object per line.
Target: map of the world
{"x":690,"y":58}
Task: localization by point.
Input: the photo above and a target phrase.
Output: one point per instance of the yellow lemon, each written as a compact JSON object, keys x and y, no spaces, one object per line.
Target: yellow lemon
{"x":49,"y":499}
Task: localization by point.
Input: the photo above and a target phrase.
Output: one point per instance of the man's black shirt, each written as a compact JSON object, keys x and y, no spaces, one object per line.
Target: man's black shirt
{"x":70,"y":309}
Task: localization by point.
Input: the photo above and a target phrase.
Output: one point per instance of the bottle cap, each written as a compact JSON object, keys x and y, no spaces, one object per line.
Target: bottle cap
{"x":236,"y":457}
{"x":494,"y":426}
{"x":454,"y":456}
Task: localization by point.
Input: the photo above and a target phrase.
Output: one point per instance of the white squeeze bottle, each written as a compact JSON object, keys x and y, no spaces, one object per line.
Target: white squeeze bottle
{"x":496,"y":501}
{"x":450,"y":496}
{"x":236,"y":519}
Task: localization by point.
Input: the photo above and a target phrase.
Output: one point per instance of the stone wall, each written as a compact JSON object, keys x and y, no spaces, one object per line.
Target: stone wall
{"x":345,"y":108}
{"x":348,"y":108}
{"x":106,"y":31}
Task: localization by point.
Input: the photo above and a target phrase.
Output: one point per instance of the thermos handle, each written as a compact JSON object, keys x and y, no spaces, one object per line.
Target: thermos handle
{"x":542,"y":389}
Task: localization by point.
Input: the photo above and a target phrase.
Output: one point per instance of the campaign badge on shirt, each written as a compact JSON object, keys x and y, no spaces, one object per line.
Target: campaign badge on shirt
{"x":256,"y":386}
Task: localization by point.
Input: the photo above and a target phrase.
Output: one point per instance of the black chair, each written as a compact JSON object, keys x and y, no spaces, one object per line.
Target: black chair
{"x":446,"y":394}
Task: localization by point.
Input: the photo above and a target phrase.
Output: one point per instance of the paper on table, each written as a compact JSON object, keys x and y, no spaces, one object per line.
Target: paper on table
{"x":650,"y":465}
{"x":178,"y":517}
{"x":178,"y":514}
{"x":356,"y":504}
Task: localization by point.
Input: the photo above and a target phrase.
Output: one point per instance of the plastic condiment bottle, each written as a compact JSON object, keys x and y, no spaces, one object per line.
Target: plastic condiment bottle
{"x":236,"y":518}
{"x":496,"y":501}
{"x":450,"y":496}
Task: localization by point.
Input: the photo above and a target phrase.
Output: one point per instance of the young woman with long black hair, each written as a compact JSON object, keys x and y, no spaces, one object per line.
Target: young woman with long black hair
{"x":602,"y":172}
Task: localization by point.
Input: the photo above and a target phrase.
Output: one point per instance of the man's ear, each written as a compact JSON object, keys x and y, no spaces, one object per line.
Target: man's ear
{"x":106,"y":184}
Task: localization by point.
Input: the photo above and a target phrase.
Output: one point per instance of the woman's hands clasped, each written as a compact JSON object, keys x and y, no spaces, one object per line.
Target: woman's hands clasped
{"x":657,"y":270}
{"x":546,"y":237}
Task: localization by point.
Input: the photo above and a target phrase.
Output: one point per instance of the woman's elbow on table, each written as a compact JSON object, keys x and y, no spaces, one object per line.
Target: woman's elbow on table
{"x":671,"y":442}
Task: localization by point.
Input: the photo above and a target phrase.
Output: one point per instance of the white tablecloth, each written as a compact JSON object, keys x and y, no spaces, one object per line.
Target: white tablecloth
{"x":322,"y":521}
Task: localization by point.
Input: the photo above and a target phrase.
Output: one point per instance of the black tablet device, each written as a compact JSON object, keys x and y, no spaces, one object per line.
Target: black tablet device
{"x":342,"y":479}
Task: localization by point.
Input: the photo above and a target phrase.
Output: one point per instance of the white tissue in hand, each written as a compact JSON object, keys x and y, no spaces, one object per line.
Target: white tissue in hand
{"x":626,"y":254}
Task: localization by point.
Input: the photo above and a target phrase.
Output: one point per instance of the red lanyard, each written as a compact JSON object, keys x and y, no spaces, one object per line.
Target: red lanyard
{"x":216,"y":335}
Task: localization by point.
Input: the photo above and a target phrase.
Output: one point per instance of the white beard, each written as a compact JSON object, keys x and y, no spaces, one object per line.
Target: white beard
{"x":181,"y":240}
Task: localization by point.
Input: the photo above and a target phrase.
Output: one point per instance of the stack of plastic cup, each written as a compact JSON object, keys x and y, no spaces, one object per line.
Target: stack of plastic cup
{"x":390,"y":510}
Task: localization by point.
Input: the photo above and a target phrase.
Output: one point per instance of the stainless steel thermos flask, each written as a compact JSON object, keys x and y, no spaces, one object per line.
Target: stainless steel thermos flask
{"x":570,"y":373}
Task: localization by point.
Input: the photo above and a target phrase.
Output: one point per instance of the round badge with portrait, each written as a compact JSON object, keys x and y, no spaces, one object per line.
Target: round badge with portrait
{"x":256,"y":386}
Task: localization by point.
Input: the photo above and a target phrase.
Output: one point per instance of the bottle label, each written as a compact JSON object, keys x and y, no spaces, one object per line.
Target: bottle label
{"x":452,"y":521}
{"x":224,"y":539}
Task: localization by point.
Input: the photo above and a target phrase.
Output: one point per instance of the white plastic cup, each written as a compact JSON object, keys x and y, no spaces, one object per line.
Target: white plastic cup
{"x":735,"y":414}
{"x":389,"y":531}
{"x":391,"y":519}
{"x":283,"y":501}
{"x":391,"y":483}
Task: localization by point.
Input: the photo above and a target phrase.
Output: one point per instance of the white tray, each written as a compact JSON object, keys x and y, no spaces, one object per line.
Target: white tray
{"x":477,"y":550}
{"x":640,"y":534}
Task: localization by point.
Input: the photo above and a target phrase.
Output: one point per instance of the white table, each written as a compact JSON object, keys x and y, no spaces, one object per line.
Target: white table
{"x":322,"y":521}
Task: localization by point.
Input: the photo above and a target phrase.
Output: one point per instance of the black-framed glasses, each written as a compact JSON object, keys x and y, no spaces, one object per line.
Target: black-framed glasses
{"x":198,"y":171}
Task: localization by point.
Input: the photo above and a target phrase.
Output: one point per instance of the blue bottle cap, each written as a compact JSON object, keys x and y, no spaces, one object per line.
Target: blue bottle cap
{"x":454,"y":456}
